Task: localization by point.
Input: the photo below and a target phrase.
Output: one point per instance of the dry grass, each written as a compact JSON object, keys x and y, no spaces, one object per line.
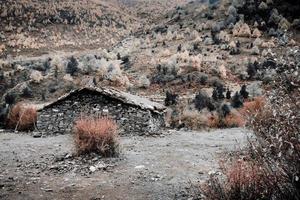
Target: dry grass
{"x":22,"y":117}
{"x":98,"y":135}
{"x":194,"y":119}
{"x":232,"y":120}
{"x":244,"y":180}
{"x":269,"y":169}
{"x":250,"y":108}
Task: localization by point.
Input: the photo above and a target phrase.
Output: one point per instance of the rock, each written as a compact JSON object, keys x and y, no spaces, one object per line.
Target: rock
{"x":208,"y":41}
{"x":37,"y":134}
{"x":255,"y":51}
{"x":92,"y":168}
{"x":224,"y":47}
{"x":68,"y":156}
{"x":47,"y":189}
{"x":59,"y":158}
{"x":256,"y":33}
{"x":101,"y":166}
{"x":139,"y":167}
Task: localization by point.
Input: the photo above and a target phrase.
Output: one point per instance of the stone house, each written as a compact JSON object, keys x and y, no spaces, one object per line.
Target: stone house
{"x":133,"y":114}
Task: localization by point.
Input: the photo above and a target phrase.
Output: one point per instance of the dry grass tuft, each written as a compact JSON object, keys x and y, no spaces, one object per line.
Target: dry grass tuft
{"x":22,"y":118}
{"x":98,"y":135}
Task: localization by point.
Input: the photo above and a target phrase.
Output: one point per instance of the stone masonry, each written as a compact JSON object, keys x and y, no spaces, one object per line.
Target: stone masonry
{"x":133,"y":114}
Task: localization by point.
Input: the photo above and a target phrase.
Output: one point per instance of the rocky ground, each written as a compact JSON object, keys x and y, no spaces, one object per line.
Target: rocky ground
{"x":146,"y":48}
{"x":161,"y":167}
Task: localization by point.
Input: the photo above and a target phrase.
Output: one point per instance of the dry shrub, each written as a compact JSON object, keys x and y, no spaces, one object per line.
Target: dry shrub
{"x":98,"y":135}
{"x":250,"y":108}
{"x":273,"y":167}
{"x":22,"y":117}
{"x":213,"y":121}
{"x":244,"y":180}
{"x":234,"y":120}
{"x":230,"y":121}
{"x":194,"y":119}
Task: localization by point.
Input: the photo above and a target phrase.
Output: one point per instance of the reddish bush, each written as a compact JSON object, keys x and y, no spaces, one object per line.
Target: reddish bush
{"x":230,"y":121}
{"x":22,"y":117}
{"x":252,"y":107}
{"x":247,"y":180}
{"x":98,"y":135}
{"x":273,"y":169}
{"x":234,"y":120}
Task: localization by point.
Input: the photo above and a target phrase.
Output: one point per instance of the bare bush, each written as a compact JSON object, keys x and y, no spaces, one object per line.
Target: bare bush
{"x":272,"y":167}
{"x":194,"y":119}
{"x":98,"y":135}
{"x":244,"y":180}
{"x":22,"y":117}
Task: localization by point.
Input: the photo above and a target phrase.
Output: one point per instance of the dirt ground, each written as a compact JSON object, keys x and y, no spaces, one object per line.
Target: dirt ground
{"x":161,"y":167}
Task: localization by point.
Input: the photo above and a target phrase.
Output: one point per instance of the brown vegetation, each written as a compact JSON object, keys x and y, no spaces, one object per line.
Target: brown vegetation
{"x":22,"y":118}
{"x":272,"y":167}
{"x":98,"y":135}
{"x":247,"y":180}
{"x":230,"y":121}
{"x":252,"y":107}
{"x":194,"y":119}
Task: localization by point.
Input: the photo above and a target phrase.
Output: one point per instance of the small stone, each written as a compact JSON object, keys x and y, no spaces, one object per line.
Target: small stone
{"x":255,"y":51}
{"x":139,"y":167}
{"x":37,"y":134}
{"x":92,"y":168}
{"x":208,"y":41}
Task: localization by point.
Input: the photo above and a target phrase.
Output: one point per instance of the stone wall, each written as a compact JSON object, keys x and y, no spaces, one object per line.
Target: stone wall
{"x":60,"y":116}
